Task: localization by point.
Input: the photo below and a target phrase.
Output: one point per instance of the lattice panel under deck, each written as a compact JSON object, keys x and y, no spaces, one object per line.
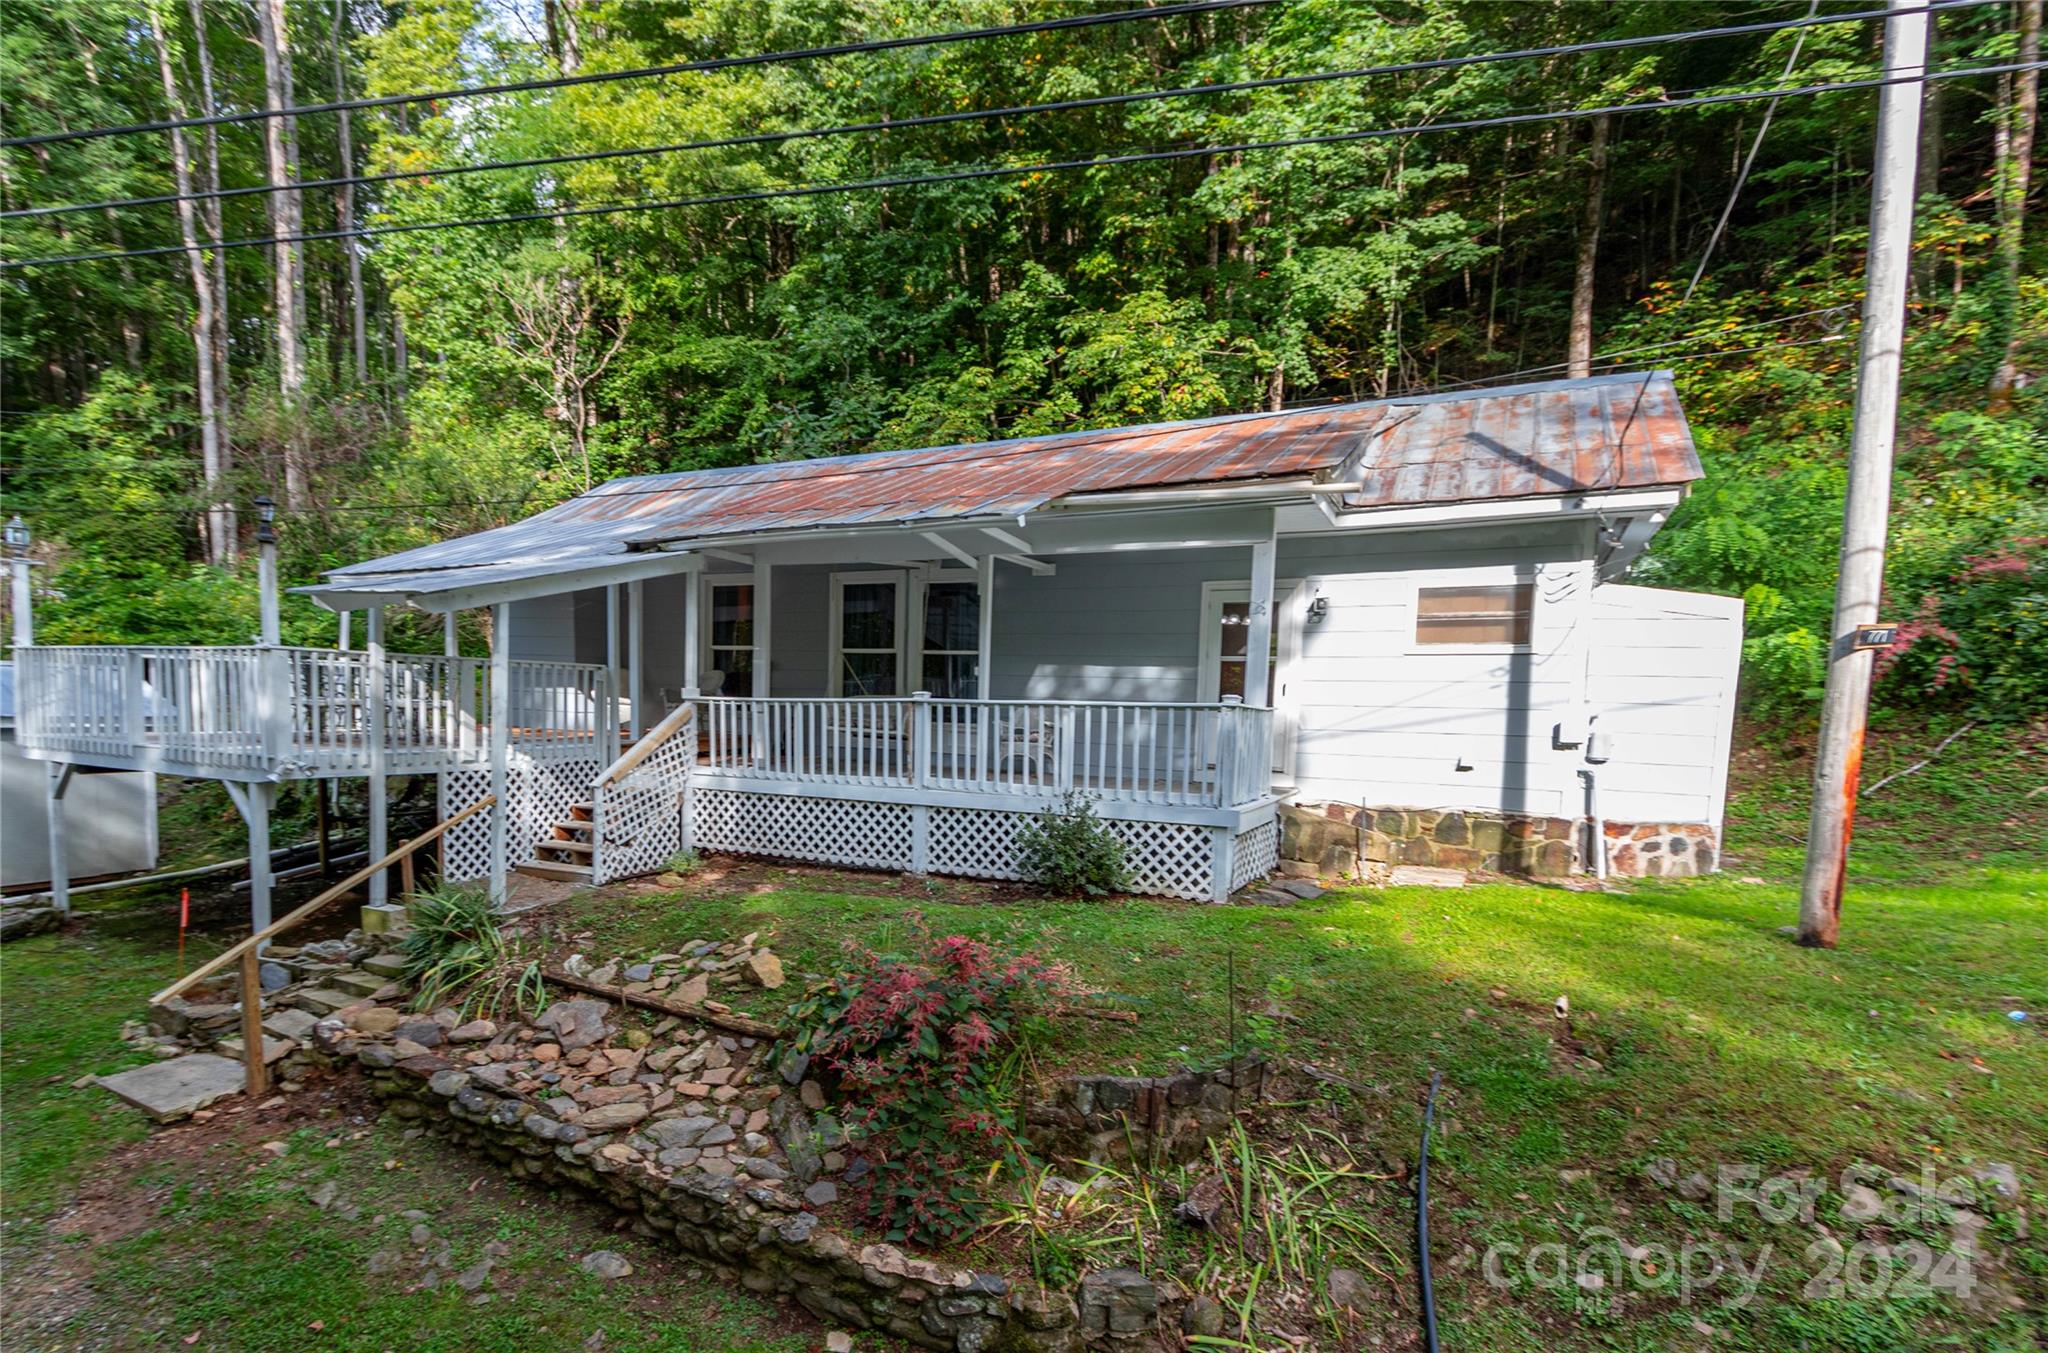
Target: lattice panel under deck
{"x":1170,"y":859}
{"x":1256,"y":854}
{"x":539,"y":794}
{"x":826,"y":831}
{"x":641,"y":817}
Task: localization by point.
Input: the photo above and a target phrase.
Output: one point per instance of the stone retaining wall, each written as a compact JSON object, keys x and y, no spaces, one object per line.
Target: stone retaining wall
{"x":1348,"y":841}
{"x":1155,"y":1118}
{"x":761,"y":1234}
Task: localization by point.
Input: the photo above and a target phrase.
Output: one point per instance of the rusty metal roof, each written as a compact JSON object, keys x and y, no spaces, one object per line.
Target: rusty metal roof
{"x":1607,"y":432}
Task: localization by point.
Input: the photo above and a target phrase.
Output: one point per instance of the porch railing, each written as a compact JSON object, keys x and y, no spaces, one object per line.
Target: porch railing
{"x":302,"y":710}
{"x":1212,"y":755}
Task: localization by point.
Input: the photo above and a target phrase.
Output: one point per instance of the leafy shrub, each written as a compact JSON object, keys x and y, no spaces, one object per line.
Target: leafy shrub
{"x":919,"y":1047}
{"x":454,"y":950}
{"x":684,"y":862}
{"x":1070,"y":851}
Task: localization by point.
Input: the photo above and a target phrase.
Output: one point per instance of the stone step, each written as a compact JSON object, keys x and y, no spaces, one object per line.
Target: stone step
{"x":388,"y":966}
{"x":357,"y":983}
{"x":273,"y":1048}
{"x":322,"y":1001}
{"x":179,"y":1087}
{"x":290,"y":1023}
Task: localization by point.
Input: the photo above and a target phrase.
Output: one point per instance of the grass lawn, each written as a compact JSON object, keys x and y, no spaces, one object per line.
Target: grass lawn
{"x":1698,"y":1035}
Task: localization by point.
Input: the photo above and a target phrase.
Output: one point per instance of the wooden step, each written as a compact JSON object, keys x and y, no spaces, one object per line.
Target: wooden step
{"x":567,"y":847}
{"x":554,"y":869}
{"x":583,"y":826}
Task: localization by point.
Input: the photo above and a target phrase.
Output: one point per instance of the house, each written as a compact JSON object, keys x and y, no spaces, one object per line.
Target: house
{"x":1403,"y":614}
{"x":120,"y":805}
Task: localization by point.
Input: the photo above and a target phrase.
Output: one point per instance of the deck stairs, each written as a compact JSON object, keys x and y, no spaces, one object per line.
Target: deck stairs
{"x":564,"y":853}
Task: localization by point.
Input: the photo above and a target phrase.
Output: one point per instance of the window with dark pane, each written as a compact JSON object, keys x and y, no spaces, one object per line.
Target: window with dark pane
{"x":952,"y":640}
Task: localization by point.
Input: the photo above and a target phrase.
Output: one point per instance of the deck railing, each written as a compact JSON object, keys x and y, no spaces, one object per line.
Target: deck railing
{"x":1213,"y":755}
{"x":302,"y":710}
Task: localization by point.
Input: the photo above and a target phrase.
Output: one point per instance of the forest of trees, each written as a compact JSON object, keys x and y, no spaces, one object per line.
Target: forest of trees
{"x":410,"y":385}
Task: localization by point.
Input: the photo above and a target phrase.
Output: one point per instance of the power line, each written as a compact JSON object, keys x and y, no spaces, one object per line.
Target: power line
{"x":644,"y":72}
{"x":1013,"y":171}
{"x":970,"y":115}
{"x":1027,"y":445}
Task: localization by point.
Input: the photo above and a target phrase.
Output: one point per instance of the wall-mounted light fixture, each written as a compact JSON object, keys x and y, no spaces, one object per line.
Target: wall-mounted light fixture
{"x":1318,"y":607}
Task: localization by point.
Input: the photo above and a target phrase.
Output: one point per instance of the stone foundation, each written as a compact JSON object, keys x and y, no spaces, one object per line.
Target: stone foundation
{"x":1661,"y":850}
{"x":1347,"y":841}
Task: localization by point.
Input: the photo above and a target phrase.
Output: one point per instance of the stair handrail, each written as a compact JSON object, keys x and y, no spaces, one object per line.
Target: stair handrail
{"x":294,"y":919}
{"x":646,"y":746}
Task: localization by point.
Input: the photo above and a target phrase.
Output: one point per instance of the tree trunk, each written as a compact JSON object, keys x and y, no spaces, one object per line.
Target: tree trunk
{"x":345,"y":212}
{"x":211,"y":213}
{"x":220,"y":522}
{"x":2015,"y":172}
{"x":284,"y":225}
{"x":1927,"y":172}
{"x":1579,"y":347}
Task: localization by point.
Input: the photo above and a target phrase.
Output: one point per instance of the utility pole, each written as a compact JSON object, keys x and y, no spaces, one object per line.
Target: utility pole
{"x":1845,"y":709}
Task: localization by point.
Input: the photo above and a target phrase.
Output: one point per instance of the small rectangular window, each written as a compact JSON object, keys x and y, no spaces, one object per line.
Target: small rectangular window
{"x":1475,"y":615}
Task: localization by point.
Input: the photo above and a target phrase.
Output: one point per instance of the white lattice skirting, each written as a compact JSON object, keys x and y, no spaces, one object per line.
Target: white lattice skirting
{"x":540,"y":794}
{"x":1169,"y":859}
{"x":1255,"y":853}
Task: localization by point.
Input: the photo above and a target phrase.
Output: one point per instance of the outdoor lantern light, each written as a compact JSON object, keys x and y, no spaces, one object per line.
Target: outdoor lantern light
{"x":17,"y":536}
{"x":266,"y":516}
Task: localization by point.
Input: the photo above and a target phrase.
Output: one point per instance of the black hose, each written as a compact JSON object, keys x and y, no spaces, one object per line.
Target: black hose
{"x":1422,"y":1218}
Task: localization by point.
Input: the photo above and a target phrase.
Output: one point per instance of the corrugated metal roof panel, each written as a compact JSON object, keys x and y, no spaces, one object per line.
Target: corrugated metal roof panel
{"x":1623,"y":431}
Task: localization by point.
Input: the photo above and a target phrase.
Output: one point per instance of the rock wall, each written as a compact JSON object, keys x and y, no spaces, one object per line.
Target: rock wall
{"x":1155,"y":1118}
{"x":1345,"y":840}
{"x":760,"y":1234}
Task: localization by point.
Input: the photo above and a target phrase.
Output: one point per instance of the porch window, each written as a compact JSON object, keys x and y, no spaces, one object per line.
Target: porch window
{"x":732,"y":636}
{"x":868,"y":649}
{"x":1494,"y":616}
{"x":952,"y":640}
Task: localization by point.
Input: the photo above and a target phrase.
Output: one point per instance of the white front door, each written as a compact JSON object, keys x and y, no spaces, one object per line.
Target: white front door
{"x":1226,"y":627}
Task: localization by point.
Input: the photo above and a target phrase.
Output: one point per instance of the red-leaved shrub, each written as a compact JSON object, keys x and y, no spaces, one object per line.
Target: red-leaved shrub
{"x":915,"y":1044}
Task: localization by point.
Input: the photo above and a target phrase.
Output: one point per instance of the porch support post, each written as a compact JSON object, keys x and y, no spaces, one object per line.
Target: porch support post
{"x":501,"y":746}
{"x":985,"y":606}
{"x":60,"y":859}
{"x":451,"y":647}
{"x":1222,"y":862}
{"x":451,"y":644}
{"x":693,"y":675}
{"x":378,"y":809}
{"x":341,"y":637}
{"x":764,"y":633}
{"x":636,"y":656}
{"x":611,"y":655}
{"x":1258,"y":653}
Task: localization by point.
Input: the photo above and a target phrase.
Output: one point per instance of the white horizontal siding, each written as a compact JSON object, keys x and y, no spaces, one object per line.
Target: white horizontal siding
{"x":1662,"y":680}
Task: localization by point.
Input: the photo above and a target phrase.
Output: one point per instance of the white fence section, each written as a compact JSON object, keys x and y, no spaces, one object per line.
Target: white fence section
{"x":1119,"y":752}
{"x":256,"y":712}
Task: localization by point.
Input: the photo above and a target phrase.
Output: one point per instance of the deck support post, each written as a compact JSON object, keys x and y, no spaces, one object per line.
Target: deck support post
{"x":253,"y":800}
{"x":636,"y":658}
{"x":501,"y":745}
{"x":60,"y":860}
{"x":376,"y":807}
{"x":1222,"y":862}
{"x":451,"y":648}
{"x":921,"y":760}
{"x":341,"y":639}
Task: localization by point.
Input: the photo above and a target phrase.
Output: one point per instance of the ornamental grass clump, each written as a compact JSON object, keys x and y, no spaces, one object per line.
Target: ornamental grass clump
{"x":922,"y":1049}
{"x":455,"y":954}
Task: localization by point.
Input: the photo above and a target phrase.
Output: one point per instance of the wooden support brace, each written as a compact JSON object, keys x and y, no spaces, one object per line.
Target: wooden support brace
{"x":252,"y":1023}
